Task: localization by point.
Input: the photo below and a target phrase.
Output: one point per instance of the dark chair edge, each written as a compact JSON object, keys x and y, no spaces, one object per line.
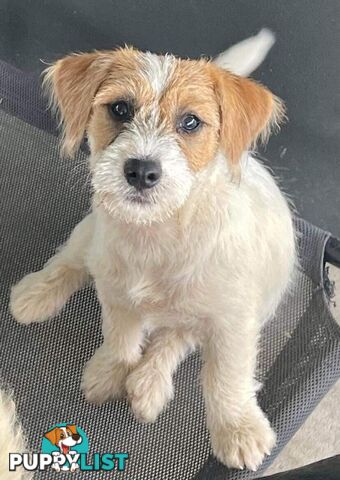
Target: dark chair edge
{"x":332,"y":251}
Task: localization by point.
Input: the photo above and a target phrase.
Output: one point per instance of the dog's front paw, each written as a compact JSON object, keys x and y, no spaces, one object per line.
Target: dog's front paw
{"x":35,"y":298}
{"x":244,"y":443}
{"x":103,"y":379}
{"x":149,"y":390}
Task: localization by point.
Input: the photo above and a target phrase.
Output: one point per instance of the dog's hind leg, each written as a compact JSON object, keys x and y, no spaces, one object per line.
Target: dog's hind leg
{"x":40,"y":295}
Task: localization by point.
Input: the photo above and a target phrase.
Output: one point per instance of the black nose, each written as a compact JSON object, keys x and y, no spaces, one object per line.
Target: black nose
{"x":142,"y":173}
{"x":76,"y":436}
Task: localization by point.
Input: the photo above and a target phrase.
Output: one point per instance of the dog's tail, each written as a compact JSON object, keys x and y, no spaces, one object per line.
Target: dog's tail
{"x":244,"y":57}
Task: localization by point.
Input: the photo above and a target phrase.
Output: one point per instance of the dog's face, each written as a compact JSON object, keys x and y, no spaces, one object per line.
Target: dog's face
{"x":64,"y":437}
{"x":154,"y":123}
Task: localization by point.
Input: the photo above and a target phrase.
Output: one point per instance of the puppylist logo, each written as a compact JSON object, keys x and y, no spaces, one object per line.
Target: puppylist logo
{"x":65,"y":447}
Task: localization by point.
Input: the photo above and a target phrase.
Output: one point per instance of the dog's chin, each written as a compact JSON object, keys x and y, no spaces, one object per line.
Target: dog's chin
{"x":137,"y":209}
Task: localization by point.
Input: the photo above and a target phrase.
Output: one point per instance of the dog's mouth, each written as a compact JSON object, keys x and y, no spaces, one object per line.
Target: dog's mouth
{"x":65,"y":449}
{"x":139,"y":198}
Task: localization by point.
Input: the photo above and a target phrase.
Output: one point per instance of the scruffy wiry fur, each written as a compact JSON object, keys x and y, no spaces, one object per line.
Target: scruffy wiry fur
{"x":12,"y":438}
{"x":199,"y":259}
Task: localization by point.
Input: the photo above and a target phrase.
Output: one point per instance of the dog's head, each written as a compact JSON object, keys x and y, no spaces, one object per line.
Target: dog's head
{"x":64,"y":437}
{"x":154,"y":124}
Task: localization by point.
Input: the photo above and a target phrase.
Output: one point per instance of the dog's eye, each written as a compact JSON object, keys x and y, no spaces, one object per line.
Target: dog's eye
{"x":121,"y":110}
{"x":190,"y":123}
{"x":62,"y":436}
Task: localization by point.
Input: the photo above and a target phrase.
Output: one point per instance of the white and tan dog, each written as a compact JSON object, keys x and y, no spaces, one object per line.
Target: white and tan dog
{"x":190,"y":241}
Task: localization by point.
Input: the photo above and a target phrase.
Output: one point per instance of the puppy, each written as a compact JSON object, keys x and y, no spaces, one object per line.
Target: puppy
{"x":190,"y":241}
{"x":64,"y":438}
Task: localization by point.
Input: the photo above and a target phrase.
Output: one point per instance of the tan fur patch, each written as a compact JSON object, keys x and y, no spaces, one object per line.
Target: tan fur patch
{"x":123,"y":82}
{"x":102,"y":129}
{"x":191,"y":91}
{"x":248,"y":111}
{"x":74,"y":82}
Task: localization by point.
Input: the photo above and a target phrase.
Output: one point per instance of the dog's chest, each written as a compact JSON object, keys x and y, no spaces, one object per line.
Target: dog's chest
{"x":147,"y":271}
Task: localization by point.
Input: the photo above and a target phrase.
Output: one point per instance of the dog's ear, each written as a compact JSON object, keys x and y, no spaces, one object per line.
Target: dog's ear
{"x":72,"y":83}
{"x":52,"y":436}
{"x":73,"y":428}
{"x":248,"y":112}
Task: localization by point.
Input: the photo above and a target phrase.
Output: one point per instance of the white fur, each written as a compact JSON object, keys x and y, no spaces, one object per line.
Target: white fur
{"x":12,"y":439}
{"x":120,"y":198}
{"x":200,"y":261}
{"x":157,"y":70}
{"x":244,"y":57}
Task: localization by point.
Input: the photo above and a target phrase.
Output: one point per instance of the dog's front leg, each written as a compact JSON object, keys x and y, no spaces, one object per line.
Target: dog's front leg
{"x":105,"y":373}
{"x":240,"y":432}
{"x":42,"y":294}
{"x":149,"y":385}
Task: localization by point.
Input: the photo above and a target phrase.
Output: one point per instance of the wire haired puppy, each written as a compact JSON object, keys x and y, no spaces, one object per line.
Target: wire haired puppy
{"x":190,"y":241}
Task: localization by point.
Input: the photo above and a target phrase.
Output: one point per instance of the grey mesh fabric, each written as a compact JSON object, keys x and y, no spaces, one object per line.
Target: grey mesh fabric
{"x":42,"y":199}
